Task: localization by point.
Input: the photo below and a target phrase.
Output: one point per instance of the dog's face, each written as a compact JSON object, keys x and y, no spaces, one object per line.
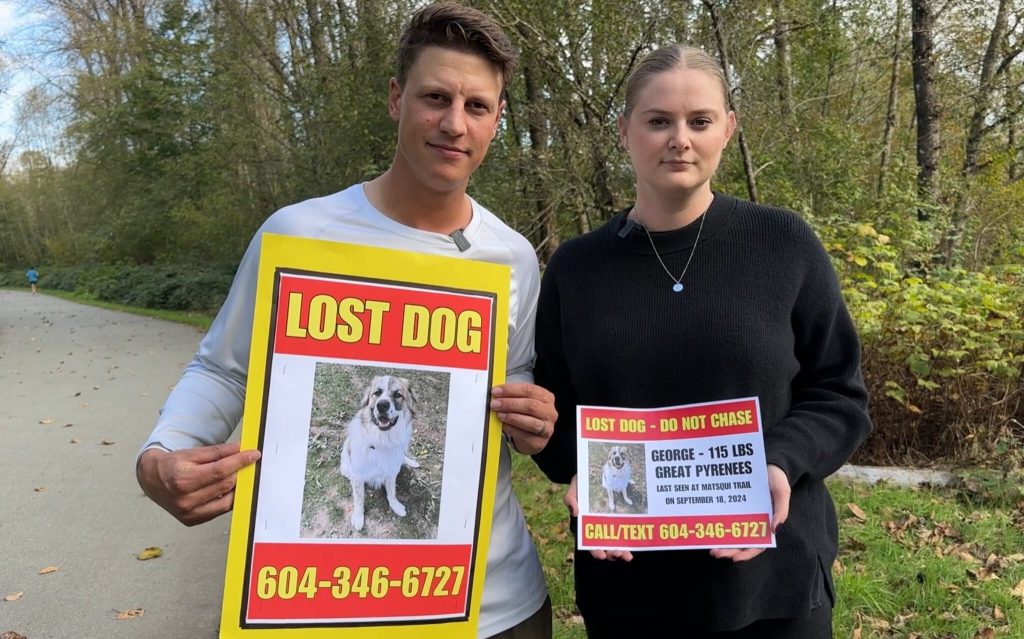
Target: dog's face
{"x":387,"y":399}
{"x":618,"y":457}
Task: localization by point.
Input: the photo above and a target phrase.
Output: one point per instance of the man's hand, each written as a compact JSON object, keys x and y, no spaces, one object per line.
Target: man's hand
{"x":571,"y":500}
{"x":778,"y":486}
{"x":195,"y":484}
{"x":527,"y":413}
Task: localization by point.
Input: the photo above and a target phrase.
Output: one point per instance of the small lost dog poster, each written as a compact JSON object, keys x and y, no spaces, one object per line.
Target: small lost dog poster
{"x":691,"y":476}
{"x":369,"y":511}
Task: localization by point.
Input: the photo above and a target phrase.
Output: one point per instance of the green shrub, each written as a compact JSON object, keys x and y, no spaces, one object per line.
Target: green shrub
{"x":943,"y":353}
{"x":167,"y":287}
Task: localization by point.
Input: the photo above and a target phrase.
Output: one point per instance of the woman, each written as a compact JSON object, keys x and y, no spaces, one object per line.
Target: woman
{"x":693,"y":296}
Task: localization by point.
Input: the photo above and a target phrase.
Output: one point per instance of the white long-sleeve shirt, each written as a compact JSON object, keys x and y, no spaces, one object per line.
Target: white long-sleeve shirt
{"x":206,"y":405}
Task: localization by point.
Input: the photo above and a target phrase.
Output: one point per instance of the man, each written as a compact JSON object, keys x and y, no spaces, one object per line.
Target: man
{"x":453,"y":65}
{"x":33,"y":278}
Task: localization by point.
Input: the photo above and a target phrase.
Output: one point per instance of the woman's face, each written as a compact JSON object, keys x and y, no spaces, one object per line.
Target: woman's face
{"x":677,"y":131}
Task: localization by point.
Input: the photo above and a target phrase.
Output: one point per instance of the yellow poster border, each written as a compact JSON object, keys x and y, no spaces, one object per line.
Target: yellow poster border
{"x":341,"y":259}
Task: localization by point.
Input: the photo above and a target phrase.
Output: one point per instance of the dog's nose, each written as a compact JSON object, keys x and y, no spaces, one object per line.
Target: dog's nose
{"x":383,"y":406}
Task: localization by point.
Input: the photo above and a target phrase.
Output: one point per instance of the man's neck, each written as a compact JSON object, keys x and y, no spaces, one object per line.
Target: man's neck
{"x":417,"y":207}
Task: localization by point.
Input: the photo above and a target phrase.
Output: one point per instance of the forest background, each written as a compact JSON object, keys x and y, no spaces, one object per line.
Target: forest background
{"x":168,"y":130}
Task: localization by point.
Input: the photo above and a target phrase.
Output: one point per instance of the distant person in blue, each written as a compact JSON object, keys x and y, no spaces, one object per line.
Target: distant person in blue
{"x":33,"y":278}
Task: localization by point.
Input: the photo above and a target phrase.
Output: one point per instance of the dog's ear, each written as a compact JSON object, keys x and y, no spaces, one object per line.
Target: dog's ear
{"x":410,"y":395}
{"x":368,"y":393}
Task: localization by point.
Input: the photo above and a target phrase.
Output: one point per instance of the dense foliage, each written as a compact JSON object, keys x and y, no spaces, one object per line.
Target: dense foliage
{"x":177,"y":126}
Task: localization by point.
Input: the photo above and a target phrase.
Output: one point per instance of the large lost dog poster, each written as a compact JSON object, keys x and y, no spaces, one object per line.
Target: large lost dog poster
{"x":689,"y":476}
{"x":369,"y":512}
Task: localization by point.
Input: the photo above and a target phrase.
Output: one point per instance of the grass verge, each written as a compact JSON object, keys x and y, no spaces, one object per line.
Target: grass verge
{"x":199,"y":320}
{"x":913,"y":563}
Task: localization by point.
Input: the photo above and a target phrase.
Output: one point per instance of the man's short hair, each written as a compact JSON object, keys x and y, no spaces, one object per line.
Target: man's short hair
{"x":454,"y":26}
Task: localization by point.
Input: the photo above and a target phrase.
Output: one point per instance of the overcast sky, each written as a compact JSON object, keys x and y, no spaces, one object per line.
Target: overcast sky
{"x":14,"y":16}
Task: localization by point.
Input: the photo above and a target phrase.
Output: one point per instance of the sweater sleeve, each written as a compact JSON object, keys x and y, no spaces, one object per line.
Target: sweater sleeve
{"x":828,"y":416}
{"x":551,"y":371}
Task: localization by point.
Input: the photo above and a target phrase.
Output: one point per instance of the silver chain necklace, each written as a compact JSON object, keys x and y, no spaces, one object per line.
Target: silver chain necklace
{"x":677,"y":282}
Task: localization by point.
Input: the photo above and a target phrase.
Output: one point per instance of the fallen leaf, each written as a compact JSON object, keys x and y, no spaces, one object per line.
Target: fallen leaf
{"x":856,"y":632}
{"x":1018,"y":590}
{"x":68,"y":425}
{"x":150,"y":553}
{"x":45,"y":421}
{"x":83,"y":405}
{"x":95,"y":387}
{"x":857,"y":512}
{"x":985,"y":633}
{"x":13,"y":596}
{"x":40,"y":489}
{"x":106,"y":442}
{"x":48,"y":570}
{"x":10,"y":634}
{"x":74,"y":440}
{"x":129,"y":614}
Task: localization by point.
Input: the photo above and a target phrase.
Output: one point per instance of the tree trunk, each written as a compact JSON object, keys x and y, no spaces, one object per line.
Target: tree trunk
{"x":890,"y":107}
{"x":748,"y":165}
{"x":926,"y":105}
{"x":546,"y":239}
{"x":1013,"y":109}
{"x":783,"y":65}
{"x":976,"y":130}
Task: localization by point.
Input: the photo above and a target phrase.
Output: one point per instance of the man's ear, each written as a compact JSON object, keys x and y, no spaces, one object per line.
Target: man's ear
{"x":394,"y":99}
{"x":497,"y":118}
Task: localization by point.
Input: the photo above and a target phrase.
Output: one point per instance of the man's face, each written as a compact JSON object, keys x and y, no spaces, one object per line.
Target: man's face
{"x":447,"y":114}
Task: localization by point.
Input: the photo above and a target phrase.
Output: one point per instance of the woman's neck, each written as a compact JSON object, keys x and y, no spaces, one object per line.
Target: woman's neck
{"x":658,"y":213}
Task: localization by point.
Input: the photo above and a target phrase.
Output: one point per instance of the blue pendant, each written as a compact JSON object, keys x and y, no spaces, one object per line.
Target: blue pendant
{"x":677,"y":287}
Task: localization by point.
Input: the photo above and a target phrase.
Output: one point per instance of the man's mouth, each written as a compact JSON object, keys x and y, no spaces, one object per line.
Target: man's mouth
{"x":449,"y":149}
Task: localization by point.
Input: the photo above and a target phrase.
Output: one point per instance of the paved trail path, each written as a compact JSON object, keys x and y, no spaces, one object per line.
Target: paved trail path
{"x":72,"y":376}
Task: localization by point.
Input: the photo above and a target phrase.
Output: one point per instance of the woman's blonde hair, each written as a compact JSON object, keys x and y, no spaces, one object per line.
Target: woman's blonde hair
{"x":674,"y":56}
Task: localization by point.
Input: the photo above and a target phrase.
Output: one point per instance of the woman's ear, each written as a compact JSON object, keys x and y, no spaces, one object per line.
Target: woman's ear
{"x":623,"y":131}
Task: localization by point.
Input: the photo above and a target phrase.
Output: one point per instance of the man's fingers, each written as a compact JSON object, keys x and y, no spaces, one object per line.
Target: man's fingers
{"x":183,"y":478}
{"x":207,"y":454}
{"x":523,"y":389}
{"x":209,"y":510}
{"x":228,"y":466}
{"x":210,"y":493}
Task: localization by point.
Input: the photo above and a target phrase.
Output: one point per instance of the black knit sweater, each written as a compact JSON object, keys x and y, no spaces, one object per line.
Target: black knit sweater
{"x":761,"y":315}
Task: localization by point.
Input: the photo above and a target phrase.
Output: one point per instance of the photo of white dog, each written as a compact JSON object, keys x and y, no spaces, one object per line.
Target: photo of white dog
{"x":377,"y":442}
{"x":617,"y":475}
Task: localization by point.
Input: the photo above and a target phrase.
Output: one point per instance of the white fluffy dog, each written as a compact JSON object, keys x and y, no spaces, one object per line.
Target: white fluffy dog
{"x":617,"y":475}
{"x":378,"y":441}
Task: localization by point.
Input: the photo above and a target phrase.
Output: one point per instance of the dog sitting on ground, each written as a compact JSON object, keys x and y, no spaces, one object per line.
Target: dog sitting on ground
{"x":617,"y":475}
{"x":377,"y":442}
